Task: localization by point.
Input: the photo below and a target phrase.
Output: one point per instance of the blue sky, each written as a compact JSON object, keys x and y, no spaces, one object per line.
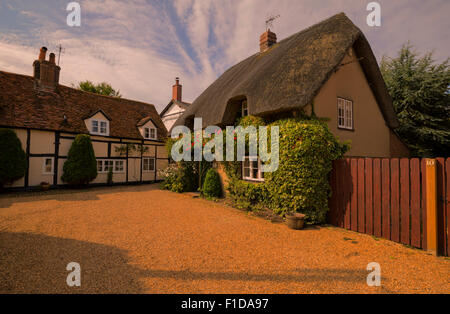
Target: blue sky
{"x":140,"y":46}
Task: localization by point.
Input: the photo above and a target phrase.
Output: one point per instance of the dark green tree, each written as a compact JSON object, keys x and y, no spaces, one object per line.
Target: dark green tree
{"x":212,"y":186}
{"x":81,"y":165}
{"x":13,"y":160}
{"x":101,"y":88}
{"x":420,"y":91}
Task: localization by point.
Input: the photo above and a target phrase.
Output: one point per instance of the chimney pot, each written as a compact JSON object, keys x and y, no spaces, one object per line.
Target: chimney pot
{"x":42,"y":54}
{"x":177,"y":90}
{"x":52,"y":58}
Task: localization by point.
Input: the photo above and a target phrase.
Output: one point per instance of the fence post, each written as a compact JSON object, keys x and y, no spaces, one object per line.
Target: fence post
{"x":432,"y":236}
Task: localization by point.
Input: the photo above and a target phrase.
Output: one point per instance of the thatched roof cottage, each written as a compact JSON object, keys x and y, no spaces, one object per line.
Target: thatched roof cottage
{"x":329,"y":68}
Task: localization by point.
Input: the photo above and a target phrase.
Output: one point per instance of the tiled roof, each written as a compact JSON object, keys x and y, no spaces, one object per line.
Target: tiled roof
{"x":21,"y":105}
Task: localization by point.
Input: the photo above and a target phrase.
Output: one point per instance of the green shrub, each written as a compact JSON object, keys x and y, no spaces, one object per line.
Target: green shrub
{"x":13,"y":160}
{"x":81,"y":165}
{"x":172,"y":178}
{"x":212,"y":186}
{"x":246,"y":195}
{"x":301,"y":184}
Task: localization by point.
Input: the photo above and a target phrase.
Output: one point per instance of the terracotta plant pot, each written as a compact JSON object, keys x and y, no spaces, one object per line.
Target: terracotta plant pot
{"x":295,"y":221}
{"x":45,"y":186}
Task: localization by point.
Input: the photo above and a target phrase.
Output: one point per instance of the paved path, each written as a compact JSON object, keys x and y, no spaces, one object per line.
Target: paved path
{"x":144,"y":240}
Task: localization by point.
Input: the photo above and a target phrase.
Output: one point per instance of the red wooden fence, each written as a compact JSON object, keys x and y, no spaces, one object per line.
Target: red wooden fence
{"x":387,"y":198}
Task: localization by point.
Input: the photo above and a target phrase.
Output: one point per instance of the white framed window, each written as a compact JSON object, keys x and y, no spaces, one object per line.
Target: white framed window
{"x":150,"y":133}
{"x":99,"y":127}
{"x":251,"y":169}
{"x":244,"y":108}
{"x":48,"y":165}
{"x":104,"y":165}
{"x":119,"y":166}
{"x":148,"y":164}
{"x":345,"y":114}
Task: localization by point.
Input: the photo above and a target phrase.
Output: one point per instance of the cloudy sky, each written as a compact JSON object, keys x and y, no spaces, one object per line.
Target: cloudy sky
{"x":140,"y":46}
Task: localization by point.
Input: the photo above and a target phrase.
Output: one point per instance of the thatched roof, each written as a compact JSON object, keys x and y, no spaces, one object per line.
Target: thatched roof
{"x":290,"y":74}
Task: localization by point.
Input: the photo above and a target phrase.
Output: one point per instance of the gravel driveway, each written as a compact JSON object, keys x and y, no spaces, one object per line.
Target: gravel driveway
{"x":144,"y":240}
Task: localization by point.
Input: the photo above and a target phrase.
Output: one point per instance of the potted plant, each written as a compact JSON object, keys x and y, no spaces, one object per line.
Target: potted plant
{"x":295,"y":220}
{"x":45,"y":186}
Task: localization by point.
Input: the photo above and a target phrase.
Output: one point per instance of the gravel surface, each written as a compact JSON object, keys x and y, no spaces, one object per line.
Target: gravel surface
{"x":144,"y":240}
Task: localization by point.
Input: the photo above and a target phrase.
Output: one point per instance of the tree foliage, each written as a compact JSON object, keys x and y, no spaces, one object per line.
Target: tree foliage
{"x":420,"y":91}
{"x":81,"y":165}
{"x":100,"y":88}
{"x":13,"y":160}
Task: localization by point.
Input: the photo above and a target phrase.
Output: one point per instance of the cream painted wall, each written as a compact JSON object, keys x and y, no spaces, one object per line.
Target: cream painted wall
{"x":100,"y":149}
{"x":42,"y":142}
{"x":371,"y":134}
{"x":162,"y":152}
{"x":36,"y":175}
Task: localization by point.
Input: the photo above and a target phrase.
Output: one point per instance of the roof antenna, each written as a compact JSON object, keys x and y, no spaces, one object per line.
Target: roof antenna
{"x":60,"y":50}
{"x":269,"y":21}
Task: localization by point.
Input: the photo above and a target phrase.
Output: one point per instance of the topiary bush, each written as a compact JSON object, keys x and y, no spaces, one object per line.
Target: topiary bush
{"x":212,"y":186}
{"x":13,"y":159}
{"x":81,"y":165}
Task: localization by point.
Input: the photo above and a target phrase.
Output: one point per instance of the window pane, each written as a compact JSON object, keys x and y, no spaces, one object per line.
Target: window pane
{"x":246,"y":162}
{"x":48,"y":165}
{"x":246,"y":172}
{"x":94,"y":126}
{"x":255,"y":164}
{"x":145,"y":167}
{"x":103,"y":127}
{"x":152,"y":133}
{"x":255,"y":173}
{"x":99,"y":166}
{"x":152,"y":164}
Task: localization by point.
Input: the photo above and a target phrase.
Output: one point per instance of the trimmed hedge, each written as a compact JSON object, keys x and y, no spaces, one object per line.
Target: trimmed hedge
{"x":81,"y":165}
{"x":212,"y":186}
{"x":13,"y":159}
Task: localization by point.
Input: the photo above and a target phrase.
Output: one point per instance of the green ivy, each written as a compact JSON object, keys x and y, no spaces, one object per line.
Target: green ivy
{"x":301,"y":183}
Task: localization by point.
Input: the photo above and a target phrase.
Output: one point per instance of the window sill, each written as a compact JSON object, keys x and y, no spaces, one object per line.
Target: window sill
{"x":345,"y":129}
{"x":253,"y":180}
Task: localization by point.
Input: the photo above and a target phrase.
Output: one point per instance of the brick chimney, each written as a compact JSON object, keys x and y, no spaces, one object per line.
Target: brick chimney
{"x":176,"y":90}
{"x":46,"y":73}
{"x":266,"y":40}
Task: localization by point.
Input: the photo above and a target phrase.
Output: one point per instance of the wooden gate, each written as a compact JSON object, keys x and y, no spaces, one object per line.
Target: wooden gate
{"x":388,"y":198}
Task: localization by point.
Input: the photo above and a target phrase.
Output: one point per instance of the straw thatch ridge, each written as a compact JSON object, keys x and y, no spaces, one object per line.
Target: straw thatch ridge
{"x":290,"y":74}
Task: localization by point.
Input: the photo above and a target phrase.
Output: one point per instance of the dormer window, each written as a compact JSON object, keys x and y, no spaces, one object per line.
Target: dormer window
{"x":150,"y":133}
{"x":99,"y":127}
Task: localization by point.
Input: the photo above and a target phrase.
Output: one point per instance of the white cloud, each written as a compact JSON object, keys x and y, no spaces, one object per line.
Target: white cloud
{"x":140,"y":46}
